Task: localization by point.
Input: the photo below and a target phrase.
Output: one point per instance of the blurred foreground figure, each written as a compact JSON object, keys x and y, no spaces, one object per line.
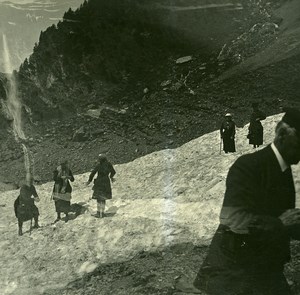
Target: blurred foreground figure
{"x":102,"y":185}
{"x":258,"y":219}
{"x":62,"y":190}
{"x":227,"y":132}
{"x":256,"y":130}
{"x":25,"y":209}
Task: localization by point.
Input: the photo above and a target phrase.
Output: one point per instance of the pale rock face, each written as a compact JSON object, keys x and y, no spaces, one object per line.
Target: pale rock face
{"x":166,"y":197}
{"x":50,"y":80}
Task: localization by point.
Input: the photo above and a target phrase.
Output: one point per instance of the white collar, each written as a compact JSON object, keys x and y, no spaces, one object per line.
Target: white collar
{"x":281,"y":161}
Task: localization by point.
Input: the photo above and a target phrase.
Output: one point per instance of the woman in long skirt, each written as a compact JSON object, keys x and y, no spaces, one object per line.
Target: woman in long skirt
{"x":25,"y":208}
{"x":256,"y":130}
{"x":62,"y":190}
{"x":227,"y":132}
{"x":102,"y":184}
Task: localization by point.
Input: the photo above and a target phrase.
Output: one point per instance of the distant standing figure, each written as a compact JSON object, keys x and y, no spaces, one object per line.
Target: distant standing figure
{"x":62,"y":190}
{"x":227,"y":132}
{"x":256,"y":131}
{"x":24,"y":206}
{"x":102,"y":184}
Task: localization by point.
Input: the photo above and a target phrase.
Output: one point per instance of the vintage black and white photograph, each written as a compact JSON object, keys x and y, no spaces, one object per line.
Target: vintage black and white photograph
{"x":149,"y":147}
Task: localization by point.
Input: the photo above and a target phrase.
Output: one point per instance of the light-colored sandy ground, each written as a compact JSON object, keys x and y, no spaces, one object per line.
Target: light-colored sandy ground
{"x":167,"y":197}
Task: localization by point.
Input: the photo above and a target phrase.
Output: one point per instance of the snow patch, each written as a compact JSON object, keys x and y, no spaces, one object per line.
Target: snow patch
{"x":164,"y":198}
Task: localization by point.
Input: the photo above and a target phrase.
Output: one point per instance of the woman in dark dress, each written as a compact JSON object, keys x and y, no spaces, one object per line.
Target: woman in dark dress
{"x":256,"y":130}
{"x":25,"y":208}
{"x":102,"y":184}
{"x":62,"y":190}
{"x":227,"y":132}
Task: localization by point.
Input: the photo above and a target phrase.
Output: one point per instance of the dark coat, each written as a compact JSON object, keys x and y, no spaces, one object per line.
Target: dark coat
{"x":251,"y":246}
{"x":102,"y":185}
{"x":256,"y":130}
{"x":24,"y":206}
{"x":227,"y":132}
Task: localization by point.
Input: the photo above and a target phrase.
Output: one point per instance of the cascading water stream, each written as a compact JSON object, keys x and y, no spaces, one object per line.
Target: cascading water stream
{"x":13,"y":107}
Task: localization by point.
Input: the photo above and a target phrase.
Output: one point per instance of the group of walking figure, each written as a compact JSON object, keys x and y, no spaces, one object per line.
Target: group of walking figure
{"x":255,"y":134}
{"x":257,"y":222}
{"x":26,"y":210}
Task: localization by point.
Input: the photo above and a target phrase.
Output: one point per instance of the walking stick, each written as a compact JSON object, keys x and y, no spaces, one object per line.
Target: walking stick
{"x":30,"y":226}
{"x":220,"y":145}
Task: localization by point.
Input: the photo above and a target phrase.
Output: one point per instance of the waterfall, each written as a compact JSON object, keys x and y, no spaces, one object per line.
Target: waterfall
{"x":13,"y":107}
{"x":28,"y":160}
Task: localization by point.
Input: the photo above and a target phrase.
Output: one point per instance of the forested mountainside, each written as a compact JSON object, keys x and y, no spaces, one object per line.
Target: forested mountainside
{"x":130,"y":77}
{"x":104,"y":51}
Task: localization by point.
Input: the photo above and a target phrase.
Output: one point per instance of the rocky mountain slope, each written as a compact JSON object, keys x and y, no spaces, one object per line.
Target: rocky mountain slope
{"x":170,"y":198}
{"x":131,"y":78}
{"x":285,"y":45}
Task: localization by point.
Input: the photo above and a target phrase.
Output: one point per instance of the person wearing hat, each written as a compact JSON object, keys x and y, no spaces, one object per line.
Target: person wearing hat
{"x":256,"y":130}
{"x":227,"y":132}
{"x":102,"y":184}
{"x":62,"y":190}
{"x":258,"y":220}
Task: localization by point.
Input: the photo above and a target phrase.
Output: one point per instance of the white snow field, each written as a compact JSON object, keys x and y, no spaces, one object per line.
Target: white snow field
{"x":167,"y":197}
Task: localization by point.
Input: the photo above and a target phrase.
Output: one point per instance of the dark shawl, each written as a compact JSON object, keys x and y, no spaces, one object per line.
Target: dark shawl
{"x":256,"y":131}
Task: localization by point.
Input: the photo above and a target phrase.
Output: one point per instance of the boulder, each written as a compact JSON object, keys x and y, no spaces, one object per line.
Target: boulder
{"x":94,"y":113}
{"x":166,"y":83}
{"x":37,"y":179}
{"x":183,"y":59}
{"x":177,"y":86}
{"x":81,"y":135}
{"x":97,"y":132}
